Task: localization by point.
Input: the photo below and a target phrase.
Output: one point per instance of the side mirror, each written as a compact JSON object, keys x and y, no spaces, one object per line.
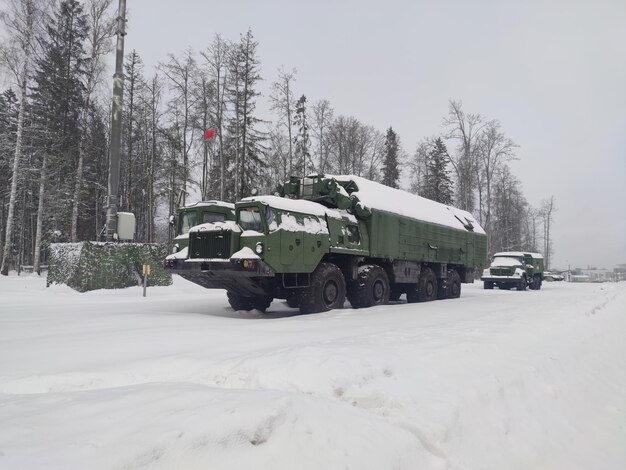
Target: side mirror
{"x":172,"y":220}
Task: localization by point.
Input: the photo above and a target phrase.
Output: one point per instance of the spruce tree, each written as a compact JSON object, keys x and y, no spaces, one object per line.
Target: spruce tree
{"x":57,"y":108}
{"x":437,"y":182}
{"x":391,"y":172}
{"x":245,"y":142}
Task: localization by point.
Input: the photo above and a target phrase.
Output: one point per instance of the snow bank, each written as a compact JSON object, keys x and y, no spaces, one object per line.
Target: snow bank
{"x":378,"y":196}
{"x":494,"y":380}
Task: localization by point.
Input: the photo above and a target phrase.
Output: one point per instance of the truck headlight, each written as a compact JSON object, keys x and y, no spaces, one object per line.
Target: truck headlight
{"x":259,"y":248}
{"x":175,"y":248}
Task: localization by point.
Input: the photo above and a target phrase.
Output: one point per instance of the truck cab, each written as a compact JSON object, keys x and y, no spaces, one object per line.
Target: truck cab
{"x":514,"y":269}
{"x":198,"y":213}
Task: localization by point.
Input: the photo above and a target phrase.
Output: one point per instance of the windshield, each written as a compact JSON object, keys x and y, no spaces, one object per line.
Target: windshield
{"x":250,"y":219}
{"x":210,"y":217}
{"x":187,"y":220}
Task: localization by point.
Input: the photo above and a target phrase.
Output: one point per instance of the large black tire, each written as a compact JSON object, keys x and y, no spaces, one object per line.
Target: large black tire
{"x":488,"y":285}
{"x":427,"y":286}
{"x":521,"y":285}
{"x":535,"y":284}
{"x":326,"y":292}
{"x":454,"y":284}
{"x":239,"y":302}
{"x":293,"y":300}
{"x":370,"y":288}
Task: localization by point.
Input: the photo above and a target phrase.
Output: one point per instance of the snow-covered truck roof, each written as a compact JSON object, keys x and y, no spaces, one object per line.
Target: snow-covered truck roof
{"x":226,"y":205}
{"x":295,"y":205}
{"x":519,"y":254}
{"x":378,"y":196}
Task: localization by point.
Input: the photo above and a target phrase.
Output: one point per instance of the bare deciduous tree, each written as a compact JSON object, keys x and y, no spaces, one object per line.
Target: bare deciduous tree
{"x":547,"y":210}
{"x":282,"y":102}
{"x":21,"y":19}
{"x":465,"y":129}
{"x":102,"y":29}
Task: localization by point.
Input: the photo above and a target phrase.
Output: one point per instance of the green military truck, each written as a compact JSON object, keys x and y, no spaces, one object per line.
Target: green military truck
{"x":322,"y":239}
{"x":511,"y":269}
{"x":199,"y":213}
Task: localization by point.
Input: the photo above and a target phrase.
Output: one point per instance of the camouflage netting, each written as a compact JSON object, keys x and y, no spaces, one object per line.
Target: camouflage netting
{"x":88,"y":266}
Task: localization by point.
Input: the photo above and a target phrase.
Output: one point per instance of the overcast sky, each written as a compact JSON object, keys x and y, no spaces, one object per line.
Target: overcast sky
{"x":553,"y":72}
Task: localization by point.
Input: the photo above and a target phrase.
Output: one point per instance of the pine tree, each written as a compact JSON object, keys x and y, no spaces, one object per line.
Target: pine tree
{"x":437,"y":181}
{"x":391,"y":172}
{"x":57,"y":108}
{"x":245,"y":151}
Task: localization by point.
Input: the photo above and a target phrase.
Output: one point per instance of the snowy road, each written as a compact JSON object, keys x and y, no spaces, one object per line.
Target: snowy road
{"x":493,"y":380}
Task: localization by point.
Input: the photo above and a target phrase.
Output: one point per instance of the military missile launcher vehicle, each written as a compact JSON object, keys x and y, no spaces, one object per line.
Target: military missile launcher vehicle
{"x":511,"y":269}
{"x":199,"y":213}
{"x":322,"y":239}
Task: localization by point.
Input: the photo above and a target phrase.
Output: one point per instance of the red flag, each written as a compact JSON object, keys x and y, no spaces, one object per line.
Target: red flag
{"x":209,"y":133}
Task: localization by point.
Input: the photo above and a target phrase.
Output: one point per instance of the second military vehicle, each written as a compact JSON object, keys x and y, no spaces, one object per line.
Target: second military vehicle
{"x":323,"y":239}
{"x":514,"y":269}
{"x":199,"y":213}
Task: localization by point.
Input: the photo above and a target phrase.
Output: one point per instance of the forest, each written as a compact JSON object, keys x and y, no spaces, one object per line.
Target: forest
{"x":192,"y":131}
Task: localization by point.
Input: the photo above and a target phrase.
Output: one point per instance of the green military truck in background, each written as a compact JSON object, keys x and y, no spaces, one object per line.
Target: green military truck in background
{"x":195,"y":214}
{"x":322,"y":239}
{"x":514,"y":269}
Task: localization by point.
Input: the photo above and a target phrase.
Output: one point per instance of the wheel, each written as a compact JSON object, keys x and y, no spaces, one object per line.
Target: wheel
{"x":326,"y":292}
{"x":521,"y":285}
{"x":394,"y":293}
{"x":488,"y":285}
{"x":454,"y":284}
{"x":370,"y":288}
{"x":293,"y":300}
{"x":535,"y":284}
{"x":427,"y":286}
{"x":261,"y":303}
{"x":239,"y":302}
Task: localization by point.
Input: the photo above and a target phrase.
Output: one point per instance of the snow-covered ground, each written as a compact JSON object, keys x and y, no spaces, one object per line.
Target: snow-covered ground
{"x":493,"y":380}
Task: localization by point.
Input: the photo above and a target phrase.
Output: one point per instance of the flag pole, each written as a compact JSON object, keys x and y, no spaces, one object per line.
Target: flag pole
{"x":116,"y":127}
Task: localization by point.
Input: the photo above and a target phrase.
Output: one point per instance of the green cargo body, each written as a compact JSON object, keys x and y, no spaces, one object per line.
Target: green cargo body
{"x":396,"y":237}
{"x":319,"y":244}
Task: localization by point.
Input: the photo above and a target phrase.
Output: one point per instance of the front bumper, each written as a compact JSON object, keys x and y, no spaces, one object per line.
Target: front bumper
{"x":232,"y":275}
{"x":494,"y":278}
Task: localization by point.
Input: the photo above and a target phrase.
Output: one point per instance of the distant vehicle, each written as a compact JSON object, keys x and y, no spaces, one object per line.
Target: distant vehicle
{"x":511,"y":269}
{"x":548,"y":276}
{"x":199,"y":213}
{"x":327,"y":238}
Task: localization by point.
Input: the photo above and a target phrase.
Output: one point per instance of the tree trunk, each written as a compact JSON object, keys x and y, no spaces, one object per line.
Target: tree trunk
{"x":8,"y":241}
{"x":40,"y":211}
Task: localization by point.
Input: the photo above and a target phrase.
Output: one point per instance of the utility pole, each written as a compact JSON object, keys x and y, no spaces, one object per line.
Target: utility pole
{"x":116,"y":127}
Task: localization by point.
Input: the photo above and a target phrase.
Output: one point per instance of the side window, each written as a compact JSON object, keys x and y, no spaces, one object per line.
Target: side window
{"x":208,"y":217}
{"x":187,"y":220}
{"x":353,"y":234}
